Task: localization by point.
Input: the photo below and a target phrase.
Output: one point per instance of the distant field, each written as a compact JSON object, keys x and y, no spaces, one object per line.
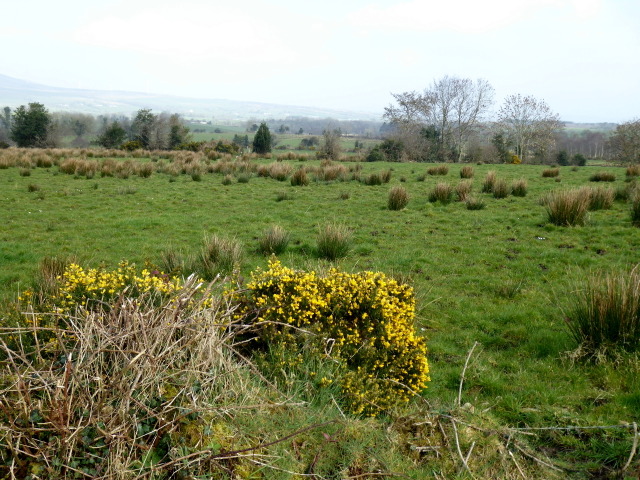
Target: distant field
{"x":500,"y":276}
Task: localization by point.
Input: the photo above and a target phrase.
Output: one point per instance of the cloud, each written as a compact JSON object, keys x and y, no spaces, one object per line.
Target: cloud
{"x":461,"y":16}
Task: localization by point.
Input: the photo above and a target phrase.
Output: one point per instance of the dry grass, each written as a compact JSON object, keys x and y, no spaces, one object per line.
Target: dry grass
{"x":438,"y":170}
{"x":602,"y":177}
{"x":463,"y":190}
{"x":501,"y":189}
{"x":300,"y":178}
{"x":274,"y":241}
{"x":567,"y":207}
{"x":467,"y":172}
{"x":398,"y":198}
{"x":551,"y":172}
{"x":220,"y":256}
{"x":489,"y":182}
{"x":519,"y":188}
{"x":442,"y":192}
{"x":601,"y":198}
{"x":333,"y":241}
{"x":633,"y":171}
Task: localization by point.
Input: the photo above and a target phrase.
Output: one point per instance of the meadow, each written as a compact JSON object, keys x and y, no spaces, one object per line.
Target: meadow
{"x":493,"y":286}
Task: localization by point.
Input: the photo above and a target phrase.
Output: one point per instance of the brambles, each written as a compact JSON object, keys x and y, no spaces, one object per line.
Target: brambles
{"x":368,"y":320}
{"x":551,"y":172}
{"x":442,"y":192}
{"x":602,"y":177}
{"x":467,"y":172}
{"x":438,"y":170}
{"x":333,"y":241}
{"x":567,"y":207}
{"x":605,"y":313}
{"x":463,"y":190}
{"x":398,"y":198}
{"x":489,"y":182}
{"x":500,"y":189}
{"x":220,"y":256}
{"x":519,"y":188}
{"x":274,"y":241}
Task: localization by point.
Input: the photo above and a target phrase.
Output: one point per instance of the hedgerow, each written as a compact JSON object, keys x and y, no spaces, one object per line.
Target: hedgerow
{"x":364,"y":321}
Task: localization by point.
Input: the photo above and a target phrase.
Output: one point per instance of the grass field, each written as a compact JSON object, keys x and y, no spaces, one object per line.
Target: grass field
{"x":501,"y":276}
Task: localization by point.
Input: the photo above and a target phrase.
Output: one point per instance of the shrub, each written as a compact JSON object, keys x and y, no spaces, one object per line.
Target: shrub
{"x":274,"y":241}
{"x":567,"y":207}
{"x":550,"y":172}
{"x":398,"y":198}
{"x":467,"y":172}
{"x":579,"y":160}
{"x":438,"y":170}
{"x":605,"y":313}
{"x":501,"y":189}
{"x":602,"y":177}
{"x":519,"y":188}
{"x":600,"y":198}
{"x":333,"y":241}
{"x":442,"y":192}
{"x":489,"y":182}
{"x":361,"y":321}
{"x":463,"y":190}
{"x":300,"y":178}
{"x":474,"y":203}
{"x":219,"y":256}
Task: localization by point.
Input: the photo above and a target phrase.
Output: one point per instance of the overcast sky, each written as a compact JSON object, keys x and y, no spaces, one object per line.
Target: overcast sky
{"x":581,"y":56}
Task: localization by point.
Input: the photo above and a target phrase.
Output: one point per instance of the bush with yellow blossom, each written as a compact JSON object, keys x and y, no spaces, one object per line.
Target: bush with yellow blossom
{"x":365,"y":320}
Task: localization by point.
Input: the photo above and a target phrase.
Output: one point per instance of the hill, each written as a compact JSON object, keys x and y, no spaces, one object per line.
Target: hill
{"x":15,"y":92}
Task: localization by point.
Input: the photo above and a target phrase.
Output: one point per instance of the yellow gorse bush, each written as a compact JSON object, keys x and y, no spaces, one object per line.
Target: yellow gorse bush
{"x":366,"y":317}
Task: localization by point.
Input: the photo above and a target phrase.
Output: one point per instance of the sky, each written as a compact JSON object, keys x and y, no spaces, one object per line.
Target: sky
{"x":582,"y":57}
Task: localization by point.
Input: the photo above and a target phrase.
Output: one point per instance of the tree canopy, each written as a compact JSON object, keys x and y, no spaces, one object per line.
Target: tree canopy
{"x":29,"y":125}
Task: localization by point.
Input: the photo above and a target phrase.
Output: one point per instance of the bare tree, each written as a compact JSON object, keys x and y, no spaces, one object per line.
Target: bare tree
{"x":445,"y":115}
{"x":625,"y":142}
{"x":528,"y":124}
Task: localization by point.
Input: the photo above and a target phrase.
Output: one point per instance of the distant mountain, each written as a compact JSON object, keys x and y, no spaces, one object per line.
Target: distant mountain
{"x":15,"y":92}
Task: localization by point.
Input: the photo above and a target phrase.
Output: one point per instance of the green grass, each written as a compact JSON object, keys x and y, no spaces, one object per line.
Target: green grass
{"x":500,"y":276}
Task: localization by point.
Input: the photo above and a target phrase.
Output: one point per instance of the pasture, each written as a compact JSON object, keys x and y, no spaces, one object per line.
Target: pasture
{"x":500,"y":278}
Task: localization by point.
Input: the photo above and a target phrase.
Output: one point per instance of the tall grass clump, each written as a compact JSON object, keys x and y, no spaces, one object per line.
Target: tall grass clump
{"x":501,"y":189}
{"x":467,"y":172}
{"x":442,"y":192}
{"x":550,"y":172}
{"x":474,"y":203}
{"x":602,"y":177}
{"x":398,"y":198}
{"x":633,"y":171}
{"x":600,"y":198}
{"x":605,"y":312}
{"x":373,"y":179}
{"x":333,"y":241}
{"x":300,"y":178}
{"x":220,"y":256}
{"x":119,"y":389}
{"x":274,"y":241}
{"x":489,"y":182}
{"x":438,"y":170}
{"x":463,"y":190}
{"x":519,"y":188}
{"x":635,"y":209}
{"x":567,"y":207}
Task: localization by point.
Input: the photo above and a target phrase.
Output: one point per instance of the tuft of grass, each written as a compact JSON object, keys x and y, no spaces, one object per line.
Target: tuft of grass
{"x":333,"y":241}
{"x":474,"y":203}
{"x":220,"y":256}
{"x":463,"y":190}
{"x":467,"y":172}
{"x":385,"y":176}
{"x":300,"y":178}
{"x":602,"y":177}
{"x":175,"y":262}
{"x":635,"y":209}
{"x":344,"y":196}
{"x":633,"y":171}
{"x":32,"y":187}
{"x":244,"y":177}
{"x":398,"y":198}
{"x":489,"y":182}
{"x":519,"y":188}
{"x":274,"y":241}
{"x":227,"y":180}
{"x":438,"y":170}
{"x":550,"y":172}
{"x":373,"y":179}
{"x":567,"y":207}
{"x":25,"y":172}
{"x":605,"y":313}
{"x":442,"y":192}
{"x":282,"y":196}
{"x":601,"y":198}
{"x":501,"y":189}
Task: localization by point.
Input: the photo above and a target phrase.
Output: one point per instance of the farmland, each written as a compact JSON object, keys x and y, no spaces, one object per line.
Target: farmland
{"x":498,"y":280}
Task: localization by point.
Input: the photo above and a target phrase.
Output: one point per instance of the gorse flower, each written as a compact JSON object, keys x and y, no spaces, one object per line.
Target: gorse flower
{"x":368,"y":318}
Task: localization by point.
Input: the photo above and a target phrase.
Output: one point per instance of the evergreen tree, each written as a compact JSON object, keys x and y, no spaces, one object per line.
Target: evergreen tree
{"x":29,"y":126}
{"x":262,"y":139}
{"x":113,"y":136}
